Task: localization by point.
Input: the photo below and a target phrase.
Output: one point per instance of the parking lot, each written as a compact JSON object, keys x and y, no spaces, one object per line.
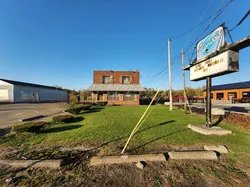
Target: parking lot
{"x":11,"y":113}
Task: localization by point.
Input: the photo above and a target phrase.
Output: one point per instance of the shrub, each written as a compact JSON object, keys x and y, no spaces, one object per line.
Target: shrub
{"x":88,"y":103}
{"x":34,"y":127}
{"x":102,"y":103}
{"x":75,"y":109}
{"x":66,"y":118}
{"x":86,"y":107}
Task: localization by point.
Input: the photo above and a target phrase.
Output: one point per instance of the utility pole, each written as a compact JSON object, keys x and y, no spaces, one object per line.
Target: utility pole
{"x":184,"y":82}
{"x":170,"y":78}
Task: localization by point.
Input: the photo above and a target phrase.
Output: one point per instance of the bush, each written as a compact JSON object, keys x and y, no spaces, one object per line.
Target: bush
{"x":66,"y":118}
{"x":88,"y":103}
{"x":34,"y":127}
{"x":102,"y":103}
{"x":86,"y":107}
{"x":75,"y":109}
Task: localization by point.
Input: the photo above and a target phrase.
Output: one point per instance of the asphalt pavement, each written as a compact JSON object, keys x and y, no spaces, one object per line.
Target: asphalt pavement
{"x":10,"y":114}
{"x":237,"y":107}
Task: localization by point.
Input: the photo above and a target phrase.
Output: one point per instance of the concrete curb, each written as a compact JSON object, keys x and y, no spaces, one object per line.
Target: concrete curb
{"x":79,"y":148}
{"x":219,"y":148}
{"x":193,"y":155}
{"x":31,"y":118}
{"x":52,"y":164}
{"x":126,"y":159}
{"x":184,"y":155}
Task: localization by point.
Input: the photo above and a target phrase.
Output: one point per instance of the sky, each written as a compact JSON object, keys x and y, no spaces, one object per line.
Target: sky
{"x":61,"y":42}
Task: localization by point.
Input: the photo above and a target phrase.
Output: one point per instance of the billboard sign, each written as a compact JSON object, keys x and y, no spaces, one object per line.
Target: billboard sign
{"x":224,"y":63}
{"x":211,"y":43}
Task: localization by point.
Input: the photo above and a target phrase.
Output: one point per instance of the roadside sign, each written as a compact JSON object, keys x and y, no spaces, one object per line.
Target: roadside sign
{"x":211,"y":43}
{"x":224,"y":63}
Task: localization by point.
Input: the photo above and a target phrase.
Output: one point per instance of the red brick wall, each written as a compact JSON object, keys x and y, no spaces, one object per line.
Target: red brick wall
{"x":117,"y":76}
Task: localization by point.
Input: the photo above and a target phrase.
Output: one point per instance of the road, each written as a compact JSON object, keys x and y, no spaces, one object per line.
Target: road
{"x":237,"y":107}
{"x":11,"y":113}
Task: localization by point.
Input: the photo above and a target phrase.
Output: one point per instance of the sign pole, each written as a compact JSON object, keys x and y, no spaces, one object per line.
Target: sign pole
{"x":170,"y":78}
{"x":208,"y":102}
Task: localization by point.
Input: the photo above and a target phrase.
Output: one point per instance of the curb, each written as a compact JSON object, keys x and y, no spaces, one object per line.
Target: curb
{"x":31,"y":118}
{"x":52,"y":164}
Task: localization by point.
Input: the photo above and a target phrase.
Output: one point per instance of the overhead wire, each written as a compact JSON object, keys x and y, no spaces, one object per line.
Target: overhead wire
{"x":200,"y":19}
{"x":212,"y":19}
{"x":242,"y":19}
{"x":219,"y":12}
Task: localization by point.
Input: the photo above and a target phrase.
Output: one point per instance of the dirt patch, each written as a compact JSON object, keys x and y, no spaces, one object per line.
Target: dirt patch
{"x":77,"y":172}
{"x":240,"y":120}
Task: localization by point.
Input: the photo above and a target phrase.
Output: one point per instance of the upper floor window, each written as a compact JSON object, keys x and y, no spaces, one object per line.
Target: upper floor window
{"x":126,"y":80}
{"x":107,"y":79}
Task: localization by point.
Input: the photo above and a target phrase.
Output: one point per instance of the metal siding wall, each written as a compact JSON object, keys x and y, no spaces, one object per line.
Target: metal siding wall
{"x":9,"y":87}
{"x":44,"y":94}
{"x":49,"y":95}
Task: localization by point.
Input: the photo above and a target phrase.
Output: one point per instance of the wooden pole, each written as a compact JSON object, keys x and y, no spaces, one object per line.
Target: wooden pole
{"x":184,"y":82}
{"x":170,"y":77}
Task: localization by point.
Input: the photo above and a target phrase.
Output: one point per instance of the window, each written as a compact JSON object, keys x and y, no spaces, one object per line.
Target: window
{"x":107,"y":79}
{"x":245,"y":94}
{"x":126,"y":80}
{"x":219,"y":96}
{"x":129,"y":96}
{"x":113,"y":96}
{"x":232,"y":95}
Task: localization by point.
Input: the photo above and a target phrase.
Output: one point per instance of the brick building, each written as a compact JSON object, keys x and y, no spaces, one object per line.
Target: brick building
{"x":116,"y":87}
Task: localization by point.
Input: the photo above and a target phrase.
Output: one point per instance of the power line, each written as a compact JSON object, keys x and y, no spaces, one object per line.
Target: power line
{"x":201,"y":18}
{"x":242,"y":19}
{"x":176,"y":37}
{"x":219,"y":12}
{"x":157,"y":60}
{"x":186,"y":32}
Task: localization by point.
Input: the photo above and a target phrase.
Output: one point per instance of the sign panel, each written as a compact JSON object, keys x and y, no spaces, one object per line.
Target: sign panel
{"x":224,"y":63}
{"x":211,"y":43}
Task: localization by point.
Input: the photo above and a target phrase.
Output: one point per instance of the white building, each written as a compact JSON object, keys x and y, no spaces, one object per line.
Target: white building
{"x":21,"y":92}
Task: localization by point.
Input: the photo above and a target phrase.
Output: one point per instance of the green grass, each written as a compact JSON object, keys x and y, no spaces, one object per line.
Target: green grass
{"x":111,"y":125}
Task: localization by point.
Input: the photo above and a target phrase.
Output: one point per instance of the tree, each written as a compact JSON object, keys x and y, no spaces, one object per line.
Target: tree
{"x":85,"y":95}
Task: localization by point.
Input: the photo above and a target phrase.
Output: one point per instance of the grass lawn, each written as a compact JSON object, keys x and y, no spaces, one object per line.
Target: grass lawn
{"x":108,"y":127}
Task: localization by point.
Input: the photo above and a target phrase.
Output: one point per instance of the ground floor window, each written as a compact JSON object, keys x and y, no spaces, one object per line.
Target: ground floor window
{"x":113,"y":96}
{"x":129,"y":96}
{"x":245,"y":94}
{"x":232,"y":95}
{"x":219,"y":96}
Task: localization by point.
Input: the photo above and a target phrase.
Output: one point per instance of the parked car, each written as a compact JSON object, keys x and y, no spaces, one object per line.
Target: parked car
{"x":245,"y":99}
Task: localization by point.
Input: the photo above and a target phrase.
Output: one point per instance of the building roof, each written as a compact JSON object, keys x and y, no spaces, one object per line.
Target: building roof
{"x":29,"y":84}
{"x":116,"y":87}
{"x":237,"y":85}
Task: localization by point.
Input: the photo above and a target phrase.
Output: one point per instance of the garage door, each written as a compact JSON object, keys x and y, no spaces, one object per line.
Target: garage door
{"x":4,"y":94}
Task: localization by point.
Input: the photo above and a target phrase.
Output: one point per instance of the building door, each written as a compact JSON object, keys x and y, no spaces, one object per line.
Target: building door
{"x":37,"y":97}
{"x":4,"y":95}
{"x":100,"y":97}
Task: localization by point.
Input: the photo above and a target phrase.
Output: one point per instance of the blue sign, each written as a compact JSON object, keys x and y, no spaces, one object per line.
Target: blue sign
{"x":211,"y":43}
